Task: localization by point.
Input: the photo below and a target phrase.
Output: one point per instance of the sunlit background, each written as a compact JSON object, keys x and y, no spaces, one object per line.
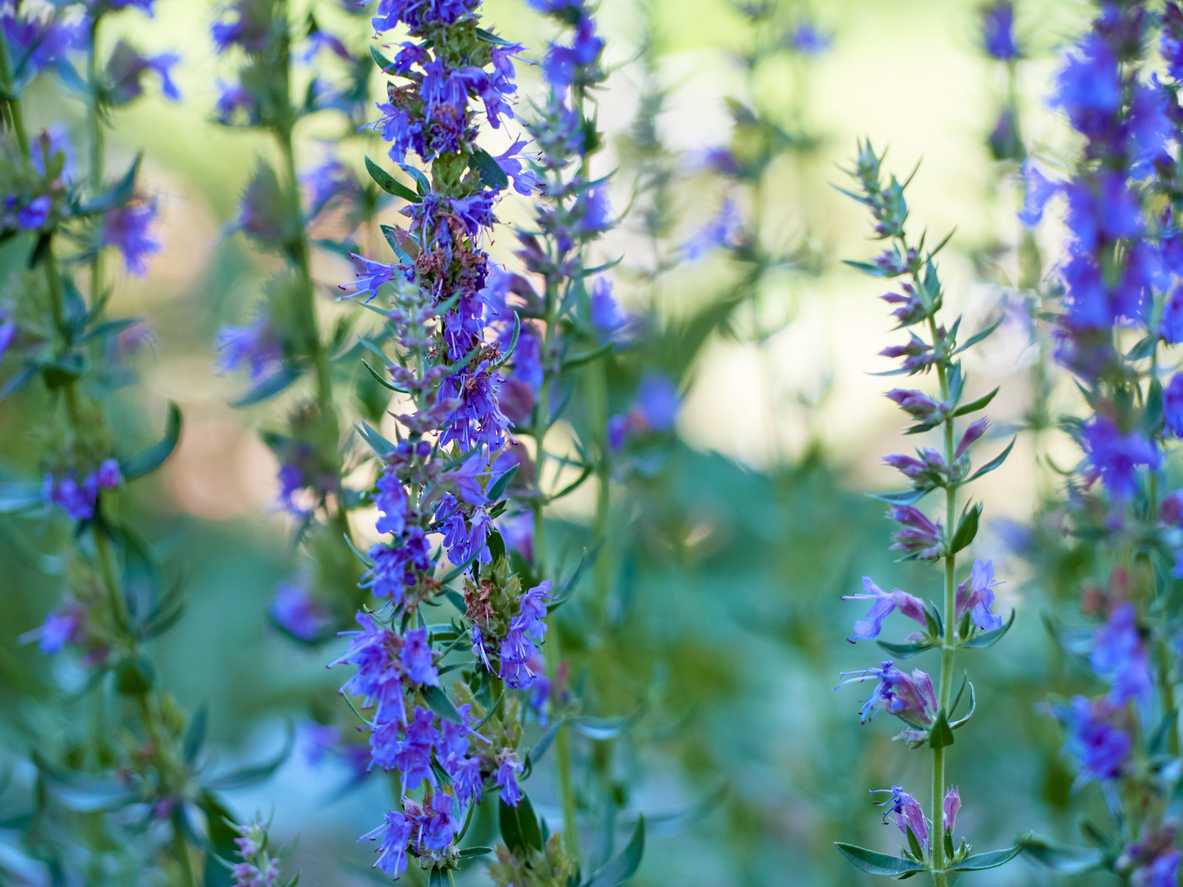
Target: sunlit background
{"x":735,"y":545}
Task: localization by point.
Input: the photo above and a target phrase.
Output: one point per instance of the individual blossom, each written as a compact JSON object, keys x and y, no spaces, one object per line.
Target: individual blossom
{"x":911,"y":698}
{"x":129,"y":227}
{"x":919,"y":538}
{"x":1119,"y":657}
{"x":976,"y":597}
{"x":298,"y":613}
{"x":1114,"y":456}
{"x":66,"y":624}
{"x":1172,"y":405}
{"x":909,"y":815}
{"x":1099,"y":747}
{"x":393,"y":836}
{"x":884,"y":604}
{"x":257,"y":346}
{"x":950,"y":807}
{"x":998,"y":23}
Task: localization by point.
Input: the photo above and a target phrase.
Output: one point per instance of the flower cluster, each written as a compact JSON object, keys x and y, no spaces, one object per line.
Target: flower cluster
{"x":967,"y":619}
{"x":1118,"y":279}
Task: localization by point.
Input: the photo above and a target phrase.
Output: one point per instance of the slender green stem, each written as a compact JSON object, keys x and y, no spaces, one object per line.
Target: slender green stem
{"x":940,"y":878}
{"x":94,"y":128}
{"x":15,"y":114}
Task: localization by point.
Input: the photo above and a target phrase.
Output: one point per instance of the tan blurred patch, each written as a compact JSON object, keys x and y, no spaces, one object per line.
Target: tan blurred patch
{"x":221,"y":471}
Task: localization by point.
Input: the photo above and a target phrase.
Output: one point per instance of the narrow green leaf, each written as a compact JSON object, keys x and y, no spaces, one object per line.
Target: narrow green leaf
{"x":276,"y":383}
{"x":974,"y":406}
{"x":437,"y":700}
{"x":470,"y":852}
{"x":152,"y":458}
{"x":905,"y":651}
{"x":973,"y":704}
{"x":877,"y":863}
{"x":111,"y":328}
{"x":967,"y":528}
{"x":402,"y":243}
{"x":255,"y":773}
{"x":490,"y":171}
{"x":389,"y":183}
{"x":907,"y":497}
{"x":118,"y":194}
{"x":589,"y":356}
{"x":519,"y":826}
{"x":991,"y":860}
{"x":195,"y":734}
{"x":995,"y":462}
{"x":376,"y":441}
{"x":990,"y":638}
{"x":490,"y":37}
{"x":978,"y":337}
{"x":624,"y":864}
{"x":14,"y":496}
{"x":498,"y":487}
{"x":380,"y":60}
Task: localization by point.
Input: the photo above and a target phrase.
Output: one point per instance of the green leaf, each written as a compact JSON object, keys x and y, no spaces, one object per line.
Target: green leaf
{"x":990,"y":638}
{"x":380,"y":60}
{"x":490,"y":37}
{"x":195,"y":734}
{"x":973,"y":704}
{"x":974,"y":406}
{"x":967,"y":528}
{"x":939,"y":734}
{"x":905,"y":651}
{"x":544,"y":741}
{"x":111,"y":328}
{"x":14,"y":496}
{"x":254,"y":773}
{"x":389,"y":184}
{"x":385,"y":383}
{"x":603,"y":728}
{"x":377,"y":442}
{"x":589,"y":356}
{"x":996,"y":461}
{"x":81,"y":791}
{"x":402,"y":243}
{"x":498,"y":487}
{"x":437,"y":700}
{"x":868,"y":268}
{"x":519,"y":826}
{"x":437,"y":878}
{"x":1143,"y":349}
{"x":152,"y":458}
{"x":907,"y":497}
{"x":277,"y":382}
{"x":117,"y":195}
{"x":624,"y":864}
{"x":469,"y":852}
{"x":991,"y":860}
{"x":490,"y":171}
{"x":877,"y":863}
{"x":1062,"y":857}
{"x":977,"y":337}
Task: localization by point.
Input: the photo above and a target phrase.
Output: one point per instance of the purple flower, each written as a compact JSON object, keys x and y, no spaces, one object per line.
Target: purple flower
{"x":518,"y":667}
{"x":917,"y":404}
{"x":1116,"y":456}
{"x":1163,"y":871}
{"x":36,"y":44}
{"x":126,"y":69}
{"x":1038,"y":191}
{"x":33,"y":216}
{"x":8,"y":334}
{"x":1171,"y":325}
{"x":975,"y":430}
{"x":508,"y":768}
{"x":884,"y":603}
{"x":911,"y":698}
{"x":1119,"y":657}
{"x":317,"y":739}
{"x":299,"y":613}
{"x":976,"y":596}
{"x":412,"y":755}
{"x":258,"y":346}
{"x":657,"y":403}
{"x":918,"y":355}
{"x":593,"y":211}
{"x":440,"y":824}
{"x":723,"y":230}
{"x":1172,"y":405}
{"x":808,"y":40}
{"x":1100,"y":748}
{"x":128,"y":227}
{"x":1088,"y":86}
{"x":393,"y":836}
{"x":998,"y":22}
{"x":617,"y":432}
{"x":61,"y":626}
{"x":418,"y":658}
{"x":391,"y":502}
{"x":605,"y":312}
{"x":908,"y":813}
{"x":376,"y":653}
{"x":920,"y":538}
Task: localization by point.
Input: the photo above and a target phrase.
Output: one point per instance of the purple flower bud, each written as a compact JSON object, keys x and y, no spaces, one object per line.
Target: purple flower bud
{"x":972,"y":434}
{"x":920,"y":538}
{"x":950,"y":807}
{"x":33,"y":216}
{"x":919,"y":354}
{"x":917,"y":404}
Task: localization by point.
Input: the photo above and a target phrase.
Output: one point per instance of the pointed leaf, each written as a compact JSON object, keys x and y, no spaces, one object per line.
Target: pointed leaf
{"x":152,"y":458}
{"x":402,"y":243}
{"x":907,"y":497}
{"x":195,"y":735}
{"x":967,"y":528}
{"x":975,"y":405}
{"x":905,"y":651}
{"x":118,"y":194}
{"x":990,"y":638}
{"x":15,"y":496}
{"x":498,"y":487}
{"x":519,"y":826}
{"x":545,"y":740}
{"x":490,"y":37}
{"x":973,"y":704}
{"x":389,"y":183}
{"x":1062,"y":857}
{"x":939,"y":734}
{"x":977,"y":337}
{"x":255,"y":773}
{"x":277,"y":382}
{"x":437,"y":700}
{"x":995,"y":462}
{"x":377,"y":442}
{"x":624,"y":864}
{"x":490,"y":171}
{"x":991,"y":860}
{"x":877,"y":863}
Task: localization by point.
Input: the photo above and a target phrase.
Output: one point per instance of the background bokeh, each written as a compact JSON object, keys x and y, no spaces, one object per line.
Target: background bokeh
{"x":732,"y":546}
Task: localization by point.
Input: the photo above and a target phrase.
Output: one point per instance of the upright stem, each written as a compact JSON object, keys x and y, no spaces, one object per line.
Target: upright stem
{"x":94,"y":129}
{"x":940,"y":878}
{"x":15,"y":114}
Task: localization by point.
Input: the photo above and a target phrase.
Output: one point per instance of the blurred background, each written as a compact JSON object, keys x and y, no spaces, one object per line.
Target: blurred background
{"x":735,"y":540}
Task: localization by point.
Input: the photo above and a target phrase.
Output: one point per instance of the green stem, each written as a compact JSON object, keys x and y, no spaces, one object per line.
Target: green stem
{"x":15,"y":114}
{"x":97,"y":146}
{"x":940,"y":877}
